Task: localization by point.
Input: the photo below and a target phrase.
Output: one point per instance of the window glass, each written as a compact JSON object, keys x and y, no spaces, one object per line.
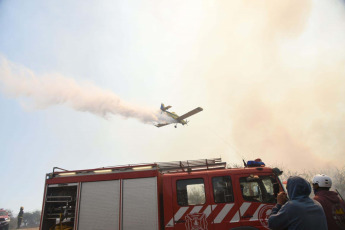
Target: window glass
{"x":190,"y":192}
{"x":222,"y":189}
{"x":258,"y":189}
{"x":3,"y":213}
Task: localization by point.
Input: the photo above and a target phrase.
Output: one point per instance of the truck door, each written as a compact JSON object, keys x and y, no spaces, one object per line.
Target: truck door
{"x":191,"y":203}
{"x":224,"y":208}
{"x":257,"y":199}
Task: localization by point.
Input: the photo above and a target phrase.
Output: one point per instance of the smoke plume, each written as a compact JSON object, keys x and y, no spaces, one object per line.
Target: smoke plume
{"x":53,"y":89}
{"x":280,"y":80}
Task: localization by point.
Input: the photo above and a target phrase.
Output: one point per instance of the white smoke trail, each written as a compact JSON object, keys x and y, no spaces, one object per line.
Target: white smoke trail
{"x":54,"y":89}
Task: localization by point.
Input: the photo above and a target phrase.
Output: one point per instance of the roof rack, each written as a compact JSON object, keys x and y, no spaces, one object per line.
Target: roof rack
{"x":191,"y":165}
{"x":163,"y":167}
{"x":109,"y":169}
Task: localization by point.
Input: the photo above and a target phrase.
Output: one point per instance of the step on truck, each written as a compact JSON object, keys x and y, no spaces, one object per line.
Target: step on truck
{"x":181,"y":195}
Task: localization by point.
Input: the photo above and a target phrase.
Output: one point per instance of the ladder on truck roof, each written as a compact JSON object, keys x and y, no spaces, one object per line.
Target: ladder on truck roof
{"x":163,"y":167}
{"x":191,"y":165}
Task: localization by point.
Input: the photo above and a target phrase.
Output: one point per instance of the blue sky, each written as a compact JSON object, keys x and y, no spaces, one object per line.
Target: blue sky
{"x":265,"y":85}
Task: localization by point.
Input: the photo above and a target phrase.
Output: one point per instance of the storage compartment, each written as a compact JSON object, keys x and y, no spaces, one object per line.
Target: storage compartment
{"x":124,"y":204}
{"x":59,"y":208}
{"x":99,"y":205}
{"x":140,"y":204}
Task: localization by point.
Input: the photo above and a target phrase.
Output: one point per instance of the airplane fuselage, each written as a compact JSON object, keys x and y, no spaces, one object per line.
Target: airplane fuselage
{"x":175,"y":117}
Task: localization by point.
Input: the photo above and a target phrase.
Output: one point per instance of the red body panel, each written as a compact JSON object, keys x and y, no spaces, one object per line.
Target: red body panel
{"x":101,"y":177}
{"x":219,"y":215}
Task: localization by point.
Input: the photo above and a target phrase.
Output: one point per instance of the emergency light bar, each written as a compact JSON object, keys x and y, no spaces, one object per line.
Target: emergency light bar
{"x":255,"y":164}
{"x":67,"y":174}
{"x":103,"y":171}
{"x":142,"y":168}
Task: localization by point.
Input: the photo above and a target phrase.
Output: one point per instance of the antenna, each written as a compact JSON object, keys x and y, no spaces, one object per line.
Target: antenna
{"x":244,"y":162}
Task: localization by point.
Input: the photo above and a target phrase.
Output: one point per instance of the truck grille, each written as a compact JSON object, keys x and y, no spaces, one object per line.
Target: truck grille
{"x":2,"y":219}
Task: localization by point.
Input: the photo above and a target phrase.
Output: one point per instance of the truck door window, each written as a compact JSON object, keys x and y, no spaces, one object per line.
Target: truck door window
{"x":190,"y":192}
{"x":222,"y":189}
{"x":258,"y":189}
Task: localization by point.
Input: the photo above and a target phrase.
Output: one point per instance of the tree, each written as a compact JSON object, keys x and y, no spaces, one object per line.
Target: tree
{"x":32,"y":219}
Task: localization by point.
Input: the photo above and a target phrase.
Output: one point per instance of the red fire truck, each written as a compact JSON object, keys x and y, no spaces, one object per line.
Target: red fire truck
{"x":4,"y":219}
{"x":182,"y":195}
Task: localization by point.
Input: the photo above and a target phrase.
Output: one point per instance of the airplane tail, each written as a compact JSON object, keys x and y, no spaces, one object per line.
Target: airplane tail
{"x":163,"y":108}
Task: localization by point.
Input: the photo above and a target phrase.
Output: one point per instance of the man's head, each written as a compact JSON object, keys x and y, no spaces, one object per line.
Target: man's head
{"x":298,"y":188}
{"x":322,"y":182}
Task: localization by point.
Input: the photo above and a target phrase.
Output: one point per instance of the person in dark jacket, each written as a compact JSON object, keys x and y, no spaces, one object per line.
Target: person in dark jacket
{"x":333,"y":205}
{"x":300,"y":212}
{"x":20,"y":217}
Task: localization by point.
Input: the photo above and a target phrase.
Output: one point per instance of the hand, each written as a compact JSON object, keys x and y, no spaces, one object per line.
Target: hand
{"x":282,"y":198}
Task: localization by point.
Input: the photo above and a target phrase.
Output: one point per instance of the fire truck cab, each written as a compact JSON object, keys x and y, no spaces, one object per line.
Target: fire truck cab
{"x":4,"y":220}
{"x":182,"y":195}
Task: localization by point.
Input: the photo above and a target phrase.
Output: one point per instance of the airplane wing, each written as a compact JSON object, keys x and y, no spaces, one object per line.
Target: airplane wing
{"x":190,"y":113}
{"x":160,"y":125}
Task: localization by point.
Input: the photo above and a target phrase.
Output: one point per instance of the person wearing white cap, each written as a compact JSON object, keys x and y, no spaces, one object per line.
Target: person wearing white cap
{"x":332,"y":204}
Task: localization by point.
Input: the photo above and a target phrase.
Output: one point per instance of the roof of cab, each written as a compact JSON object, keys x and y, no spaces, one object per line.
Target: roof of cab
{"x":229,"y":171}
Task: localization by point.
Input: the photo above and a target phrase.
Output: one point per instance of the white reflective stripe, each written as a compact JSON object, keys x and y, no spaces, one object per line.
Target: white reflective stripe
{"x":236,"y":218}
{"x":207,"y":211}
{"x":214,"y":206}
{"x":244,"y":207}
{"x":170,"y":224}
{"x":255,"y":216}
{"x":196,"y":209}
{"x":223,"y":213}
{"x":180,"y":213}
{"x":177,"y":216}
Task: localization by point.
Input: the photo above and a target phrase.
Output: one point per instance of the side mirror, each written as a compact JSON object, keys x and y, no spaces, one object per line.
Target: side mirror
{"x":276,"y":189}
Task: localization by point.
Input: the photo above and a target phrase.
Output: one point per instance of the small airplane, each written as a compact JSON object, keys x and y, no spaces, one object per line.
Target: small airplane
{"x":177,"y":119}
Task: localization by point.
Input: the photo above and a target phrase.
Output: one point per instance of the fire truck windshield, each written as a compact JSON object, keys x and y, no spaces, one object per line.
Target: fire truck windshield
{"x":3,"y":213}
{"x":258,"y":189}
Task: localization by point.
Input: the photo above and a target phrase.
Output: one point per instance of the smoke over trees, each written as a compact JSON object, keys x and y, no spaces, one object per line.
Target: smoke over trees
{"x":30,"y":219}
{"x":337,"y":175}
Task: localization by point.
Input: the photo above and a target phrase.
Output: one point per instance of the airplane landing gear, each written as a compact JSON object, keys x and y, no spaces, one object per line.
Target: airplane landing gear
{"x":175,"y":126}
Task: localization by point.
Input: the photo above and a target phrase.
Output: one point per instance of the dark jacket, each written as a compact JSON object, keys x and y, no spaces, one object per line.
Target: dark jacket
{"x":333,"y":207}
{"x":20,"y":214}
{"x":300,"y":212}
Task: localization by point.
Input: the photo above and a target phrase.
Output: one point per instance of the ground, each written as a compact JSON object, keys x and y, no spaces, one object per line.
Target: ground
{"x":30,"y":228}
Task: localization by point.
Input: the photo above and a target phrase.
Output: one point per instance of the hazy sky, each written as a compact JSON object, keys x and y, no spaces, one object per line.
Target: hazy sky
{"x":81,"y":83}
